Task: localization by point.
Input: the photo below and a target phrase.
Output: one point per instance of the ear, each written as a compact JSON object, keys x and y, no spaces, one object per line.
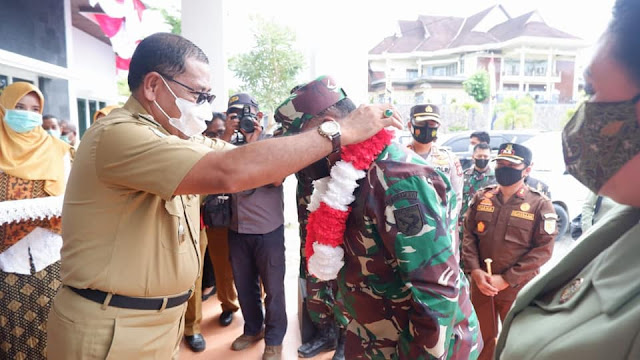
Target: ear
{"x":410,"y":126}
{"x":527,"y":170}
{"x":150,"y":85}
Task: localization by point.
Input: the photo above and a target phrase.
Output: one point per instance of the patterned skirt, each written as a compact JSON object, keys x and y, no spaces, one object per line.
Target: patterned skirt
{"x":25,"y":301}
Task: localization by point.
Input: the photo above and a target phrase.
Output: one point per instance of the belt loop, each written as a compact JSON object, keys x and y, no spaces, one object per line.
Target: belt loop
{"x":164,"y":304}
{"x":106,"y":301}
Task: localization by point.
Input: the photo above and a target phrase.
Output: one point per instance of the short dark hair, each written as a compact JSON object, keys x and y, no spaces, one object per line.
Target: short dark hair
{"x":164,"y":53}
{"x":483,"y":136}
{"x":49,"y":116}
{"x":216,"y":116}
{"x":624,"y":27}
{"x":481,"y":146}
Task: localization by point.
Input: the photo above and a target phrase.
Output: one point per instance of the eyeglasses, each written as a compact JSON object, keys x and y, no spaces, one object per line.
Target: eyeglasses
{"x":202,"y":96}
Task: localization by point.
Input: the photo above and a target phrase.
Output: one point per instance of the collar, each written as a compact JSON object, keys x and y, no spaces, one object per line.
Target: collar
{"x":523,"y":191}
{"x":140,"y":113}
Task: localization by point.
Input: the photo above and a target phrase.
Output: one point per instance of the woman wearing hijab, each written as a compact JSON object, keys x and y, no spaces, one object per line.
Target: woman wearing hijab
{"x":588,"y":305}
{"x":33,"y":171}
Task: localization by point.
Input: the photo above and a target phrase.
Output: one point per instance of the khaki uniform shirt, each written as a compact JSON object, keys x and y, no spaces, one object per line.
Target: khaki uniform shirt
{"x":517,"y":234}
{"x":588,"y":305}
{"x":123,"y":230}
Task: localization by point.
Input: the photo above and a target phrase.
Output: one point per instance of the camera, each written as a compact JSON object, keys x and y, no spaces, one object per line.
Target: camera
{"x":247,"y":120}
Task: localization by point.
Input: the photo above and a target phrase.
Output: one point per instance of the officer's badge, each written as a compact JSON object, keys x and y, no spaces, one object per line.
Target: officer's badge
{"x":570,"y":290}
{"x":525,"y":207}
{"x":507,"y":150}
{"x":409,"y":220}
{"x":481,"y":227}
{"x":488,"y":195}
{"x":486,"y":202}
{"x":550,"y":221}
{"x":428,"y":109}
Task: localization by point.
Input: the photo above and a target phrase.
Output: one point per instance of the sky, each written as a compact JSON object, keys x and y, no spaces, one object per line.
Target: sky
{"x":323,"y":27}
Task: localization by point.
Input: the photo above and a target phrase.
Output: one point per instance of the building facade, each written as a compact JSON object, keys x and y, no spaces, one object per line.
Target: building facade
{"x":53,"y":46}
{"x":429,"y":59}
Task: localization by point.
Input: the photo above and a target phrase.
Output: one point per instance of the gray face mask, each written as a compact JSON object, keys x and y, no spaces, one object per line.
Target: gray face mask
{"x":599,"y":139}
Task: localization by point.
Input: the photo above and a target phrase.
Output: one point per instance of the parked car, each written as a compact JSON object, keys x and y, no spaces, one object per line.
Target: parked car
{"x":567,"y":193}
{"x":459,"y":142}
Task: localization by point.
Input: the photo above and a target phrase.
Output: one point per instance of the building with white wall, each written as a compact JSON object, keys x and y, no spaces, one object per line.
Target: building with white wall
{"x":429,"y":58}
{"x":53,"y":46}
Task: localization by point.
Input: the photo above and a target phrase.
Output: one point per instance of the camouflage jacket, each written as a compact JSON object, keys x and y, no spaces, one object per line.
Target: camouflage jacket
{"x":474,"y":180}
{"x":401,"y":286}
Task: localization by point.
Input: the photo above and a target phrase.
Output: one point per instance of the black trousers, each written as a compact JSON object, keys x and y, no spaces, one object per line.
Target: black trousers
{"x":256,"y":257}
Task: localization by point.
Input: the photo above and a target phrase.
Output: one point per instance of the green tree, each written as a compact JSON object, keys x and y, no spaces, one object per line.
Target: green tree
{"x":268,"y":71}
{"x":515,"y":113}
{"x":172,"y":19}
{"x":477,"y":86}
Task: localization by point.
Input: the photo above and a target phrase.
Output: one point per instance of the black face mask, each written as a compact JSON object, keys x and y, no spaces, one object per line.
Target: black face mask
{"x":317,"y":170}
{"x":425,"y":134}
{"x":481,"y":163}
{"x":507,"y":176}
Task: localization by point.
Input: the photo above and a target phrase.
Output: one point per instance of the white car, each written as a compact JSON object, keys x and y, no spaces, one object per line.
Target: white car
{"x":567,"y":193}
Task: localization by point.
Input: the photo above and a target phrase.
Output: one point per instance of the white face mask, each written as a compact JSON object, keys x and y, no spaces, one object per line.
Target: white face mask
{"x":192,"y":116}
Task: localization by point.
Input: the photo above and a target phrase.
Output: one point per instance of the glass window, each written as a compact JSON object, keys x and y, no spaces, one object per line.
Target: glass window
{"x":102,"y":104}
{"x":412,"y":74}
{"x":460,"y":145}
{"x":15,"y":79}
{"x":419,"y":98}
{"x":82,"y":116}
{"x":93,"y":107}
{"x":4,"y":81}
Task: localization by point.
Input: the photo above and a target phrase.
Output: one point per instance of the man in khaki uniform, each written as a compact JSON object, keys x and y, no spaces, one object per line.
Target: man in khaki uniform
{"x":131,"y":253}
{"x":512,"y":224}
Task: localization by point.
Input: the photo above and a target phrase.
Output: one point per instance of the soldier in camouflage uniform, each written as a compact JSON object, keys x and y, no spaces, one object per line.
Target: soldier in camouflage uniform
{"x":476,"y":177}
{"x":320,"y":295}
{"x":401,"y":287}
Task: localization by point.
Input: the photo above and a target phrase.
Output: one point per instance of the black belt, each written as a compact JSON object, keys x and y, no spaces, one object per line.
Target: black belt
{"x":128,"y":302}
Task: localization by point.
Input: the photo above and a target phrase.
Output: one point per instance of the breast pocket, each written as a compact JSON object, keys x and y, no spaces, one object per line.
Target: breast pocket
{"x":519,"y":232}
{"x":176,"y":231}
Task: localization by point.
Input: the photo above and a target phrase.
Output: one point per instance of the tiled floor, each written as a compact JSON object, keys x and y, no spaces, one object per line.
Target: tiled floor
{"x":219,"y":338}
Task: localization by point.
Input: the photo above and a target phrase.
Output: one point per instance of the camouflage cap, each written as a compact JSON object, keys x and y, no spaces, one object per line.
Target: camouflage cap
{"x":423,"y":112}
{"x":306,"y":102}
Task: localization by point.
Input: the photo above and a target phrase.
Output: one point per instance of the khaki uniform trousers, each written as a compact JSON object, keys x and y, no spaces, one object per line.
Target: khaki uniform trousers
{"x":193,"y":315}
{"x":482,"y":305}
{"x":219,"y":251}
{"x":80,"y":329}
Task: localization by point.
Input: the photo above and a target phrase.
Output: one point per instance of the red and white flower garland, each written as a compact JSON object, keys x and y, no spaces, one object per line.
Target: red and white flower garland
{"x":329,"y":205}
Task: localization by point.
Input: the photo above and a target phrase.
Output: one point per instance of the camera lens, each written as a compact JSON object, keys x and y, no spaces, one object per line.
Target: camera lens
{"x":246,"y":124}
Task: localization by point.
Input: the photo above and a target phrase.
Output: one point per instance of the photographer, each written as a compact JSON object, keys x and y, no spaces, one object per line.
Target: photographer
{"x":256,"y":243}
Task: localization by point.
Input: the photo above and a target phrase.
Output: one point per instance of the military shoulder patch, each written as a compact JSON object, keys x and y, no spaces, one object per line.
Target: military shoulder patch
{"x":550,"y":220}
{"x":409,"y":220}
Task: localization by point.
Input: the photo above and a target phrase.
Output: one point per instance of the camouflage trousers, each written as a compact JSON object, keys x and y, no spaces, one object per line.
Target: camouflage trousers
{"x":388,"y":338}
{"x":321,"y":301}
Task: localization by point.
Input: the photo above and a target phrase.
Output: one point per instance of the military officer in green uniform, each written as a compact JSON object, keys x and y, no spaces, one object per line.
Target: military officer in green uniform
{"x":512,"y":224}
{"x":401,"y":287}
{"x":130,"y":253}
{"x":588,"y":305}
{"x":476,"y":177}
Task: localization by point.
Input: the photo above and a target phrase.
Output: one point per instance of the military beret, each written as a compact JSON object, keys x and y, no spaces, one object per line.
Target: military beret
{"x":307,"y":101}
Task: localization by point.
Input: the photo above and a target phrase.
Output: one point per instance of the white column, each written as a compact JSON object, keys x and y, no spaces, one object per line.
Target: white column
{"x":521,"y":77}
{"x":71,"y":90}
{"x":203,"y":23}
{"x":550,"y":74}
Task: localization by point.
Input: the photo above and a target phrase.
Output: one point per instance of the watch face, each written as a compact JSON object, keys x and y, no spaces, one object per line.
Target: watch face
{"x":330,"y":127}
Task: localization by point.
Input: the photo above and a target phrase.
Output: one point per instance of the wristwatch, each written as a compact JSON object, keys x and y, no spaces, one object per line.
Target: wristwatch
{"x":331,"y":130}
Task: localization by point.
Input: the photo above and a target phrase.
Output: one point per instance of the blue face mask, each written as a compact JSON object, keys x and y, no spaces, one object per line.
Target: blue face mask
{"x":22,"y":121}
{"x":65,"y":138}
{"x":54,"y":133}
